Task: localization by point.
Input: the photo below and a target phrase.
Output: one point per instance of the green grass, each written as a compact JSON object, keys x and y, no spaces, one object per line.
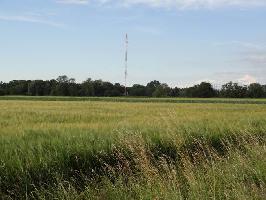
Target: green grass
{"x":139,"y":99}
{"x":56,"y":148}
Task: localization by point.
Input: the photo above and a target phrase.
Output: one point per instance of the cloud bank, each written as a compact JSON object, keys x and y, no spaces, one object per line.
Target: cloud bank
{"x":77,"y":2}
{"x":177,"y":4}
{"x":30,"y":19}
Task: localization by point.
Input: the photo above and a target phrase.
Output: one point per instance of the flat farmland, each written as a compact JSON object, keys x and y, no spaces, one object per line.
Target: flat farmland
{"x":132,"y":149}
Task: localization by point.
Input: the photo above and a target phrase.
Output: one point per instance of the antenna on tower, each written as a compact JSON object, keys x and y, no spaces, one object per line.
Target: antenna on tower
{"x":126,"y":52}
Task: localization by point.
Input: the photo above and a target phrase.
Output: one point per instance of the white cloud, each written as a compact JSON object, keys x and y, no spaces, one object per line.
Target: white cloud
{"x":177,"y":4}
{"x":242,"y":77}
{"x":183,"y":4}
{"x":251,"y":53}
{"x":257,"y":59}
{"x":241,"y":44}
{"x":31,"y":19}
{"x":247,"y":79}
{"x":77,"y":2}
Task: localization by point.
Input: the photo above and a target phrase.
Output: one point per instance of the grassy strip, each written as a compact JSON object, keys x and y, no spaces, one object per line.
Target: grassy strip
{"x":140,"y":100}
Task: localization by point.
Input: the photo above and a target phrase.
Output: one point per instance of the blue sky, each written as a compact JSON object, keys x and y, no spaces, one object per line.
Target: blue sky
{"x":180,"y":42}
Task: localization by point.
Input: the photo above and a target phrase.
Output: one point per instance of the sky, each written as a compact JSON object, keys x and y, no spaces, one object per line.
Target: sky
{"x":178,"y":42}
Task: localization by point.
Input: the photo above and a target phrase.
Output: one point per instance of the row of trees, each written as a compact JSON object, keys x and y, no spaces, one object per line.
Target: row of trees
{"x":64,"y":86}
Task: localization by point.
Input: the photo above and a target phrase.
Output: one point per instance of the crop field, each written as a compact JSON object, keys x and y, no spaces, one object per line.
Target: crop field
{"x":52,"y":148}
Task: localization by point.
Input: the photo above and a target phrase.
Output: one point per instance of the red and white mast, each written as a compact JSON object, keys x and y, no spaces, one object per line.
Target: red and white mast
{"x":126,"y":52}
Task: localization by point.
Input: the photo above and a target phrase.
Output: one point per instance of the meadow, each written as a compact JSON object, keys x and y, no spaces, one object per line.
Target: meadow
{"x":122,"y":148}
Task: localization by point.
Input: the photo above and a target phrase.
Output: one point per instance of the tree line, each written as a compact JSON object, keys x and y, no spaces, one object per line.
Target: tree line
{"x":64,"y":86}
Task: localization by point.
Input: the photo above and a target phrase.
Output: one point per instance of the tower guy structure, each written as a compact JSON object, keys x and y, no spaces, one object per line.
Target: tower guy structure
{"x":126,"y":55}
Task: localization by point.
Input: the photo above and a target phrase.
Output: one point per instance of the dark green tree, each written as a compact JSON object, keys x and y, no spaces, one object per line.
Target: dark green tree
{"x":87,"y":88}
{"x":2,"y":88}
{"x":255,"y":90}
{"x":63,"y":86}
{"x":205,"y":90}
{"x":233,"y":90}
{"x":137,"y":90}
{"x":151,"y":87}
{"x":37,"y":88}
{"x":163,"y":90}
{"x":175,"y":92}
{"x":264,"y":91}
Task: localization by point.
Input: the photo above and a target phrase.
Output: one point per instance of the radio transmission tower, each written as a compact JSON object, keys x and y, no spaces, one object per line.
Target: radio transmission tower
{"x":126,"y":52}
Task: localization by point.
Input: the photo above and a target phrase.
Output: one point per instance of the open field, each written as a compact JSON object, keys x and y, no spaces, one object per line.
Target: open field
{"x":65,"y":148}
